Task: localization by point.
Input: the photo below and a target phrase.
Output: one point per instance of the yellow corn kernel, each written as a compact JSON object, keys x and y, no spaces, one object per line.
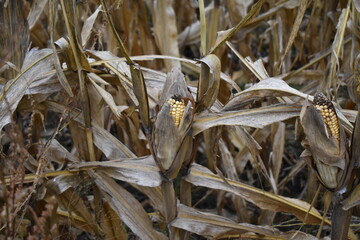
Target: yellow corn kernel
{"x":177,"y":108}
{"x":327,"y":111}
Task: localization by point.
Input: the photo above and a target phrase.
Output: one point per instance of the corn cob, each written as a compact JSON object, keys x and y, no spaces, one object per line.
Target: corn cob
{"x":327,"y":110}
{"x":177,"y":108}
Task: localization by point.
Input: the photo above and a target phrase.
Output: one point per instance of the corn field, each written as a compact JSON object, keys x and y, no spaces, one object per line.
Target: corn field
{"x":180,"y":119}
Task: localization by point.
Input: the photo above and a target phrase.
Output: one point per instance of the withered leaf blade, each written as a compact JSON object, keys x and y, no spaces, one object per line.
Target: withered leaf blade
{"x":69,"y":9}
{"x":209,"y":82}
{"x":112,"y":224}
{"x":35,"y":67}
{"x":201,"y":176}
{"x":141,"y":171}
{"x":165,"y":29}
{"x":142,"y":96}
{"x":88,"y":26}
{"x":127,"y":207}
{"x":212,"y":225}
{"x":105,"y":141}
{"x":273,"y":87}
{"x":108,"y":98}
{"x":63,"y":187}
{"x":257,"y":117}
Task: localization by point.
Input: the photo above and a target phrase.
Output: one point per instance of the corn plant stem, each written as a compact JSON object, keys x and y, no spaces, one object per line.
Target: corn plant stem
{"x":83,"y":89}
{"x":340,"y":220}
{"x":203,"y":27}
{"x":169,"y":199}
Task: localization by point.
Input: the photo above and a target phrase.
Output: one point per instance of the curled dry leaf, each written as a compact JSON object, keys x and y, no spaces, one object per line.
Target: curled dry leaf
{"x":209,"y":82}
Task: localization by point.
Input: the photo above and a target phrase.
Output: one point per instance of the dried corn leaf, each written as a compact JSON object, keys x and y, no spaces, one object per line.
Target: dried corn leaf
{"x":201,"y":176}
{"x":141,"y":171}
{"x":127,"y":207}
{"x":296,"y":26}
{"x":208,"y":86}
{"x":108,"y":98}
{"x":337,"y":47}
{"x":112,"y":224}
{"x":105,"y":141}
{"x":120,"y":68}
{"x":214,"y":226}
{"x":273,"y":87}
{"x":69,"y":13}
{"x":88,"y":26}
{"x":63,"y":187}
{"x":230,"y":32}
{"x":37,"y":8}
{"x":257,"y":117}
{"x":165,"y":30}
{"x":34,"y":68}
{"x":61,"y":75}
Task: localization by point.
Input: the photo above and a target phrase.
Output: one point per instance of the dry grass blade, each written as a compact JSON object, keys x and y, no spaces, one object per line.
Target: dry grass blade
{"x":141,"y":171}
{"x":214,"y":226}
{"x":201,"y":176}
{"x":127,"y":207}
{"x":257,"y":118}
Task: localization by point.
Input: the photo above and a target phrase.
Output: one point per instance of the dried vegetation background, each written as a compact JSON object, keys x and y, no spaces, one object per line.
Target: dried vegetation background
{"x":89,"y":149}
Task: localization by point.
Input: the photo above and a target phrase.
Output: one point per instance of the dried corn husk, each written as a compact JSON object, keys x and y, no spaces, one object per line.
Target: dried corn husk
{"x":170,"y":141}
{"x":325,"y":142}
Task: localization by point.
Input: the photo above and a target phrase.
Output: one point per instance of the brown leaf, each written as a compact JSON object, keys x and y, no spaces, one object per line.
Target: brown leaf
{"x":214,"y":226}
{"x":273,"y":87}
{"x":127,"y":207}
{"x":201,"y":176}
{"x":141,"y":171}
{"x":208,"y":86}
{"x":165,"y":30}
{"x":257,"y":118}
{"x":34,"y":68}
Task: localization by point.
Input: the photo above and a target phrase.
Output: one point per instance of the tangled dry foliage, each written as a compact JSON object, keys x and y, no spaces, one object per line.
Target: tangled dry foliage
{"x":89,"y":146}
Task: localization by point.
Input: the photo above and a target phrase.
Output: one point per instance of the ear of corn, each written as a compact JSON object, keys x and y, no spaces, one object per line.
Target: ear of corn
{"x":327,"y":110}
{"x":177,"y":108}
